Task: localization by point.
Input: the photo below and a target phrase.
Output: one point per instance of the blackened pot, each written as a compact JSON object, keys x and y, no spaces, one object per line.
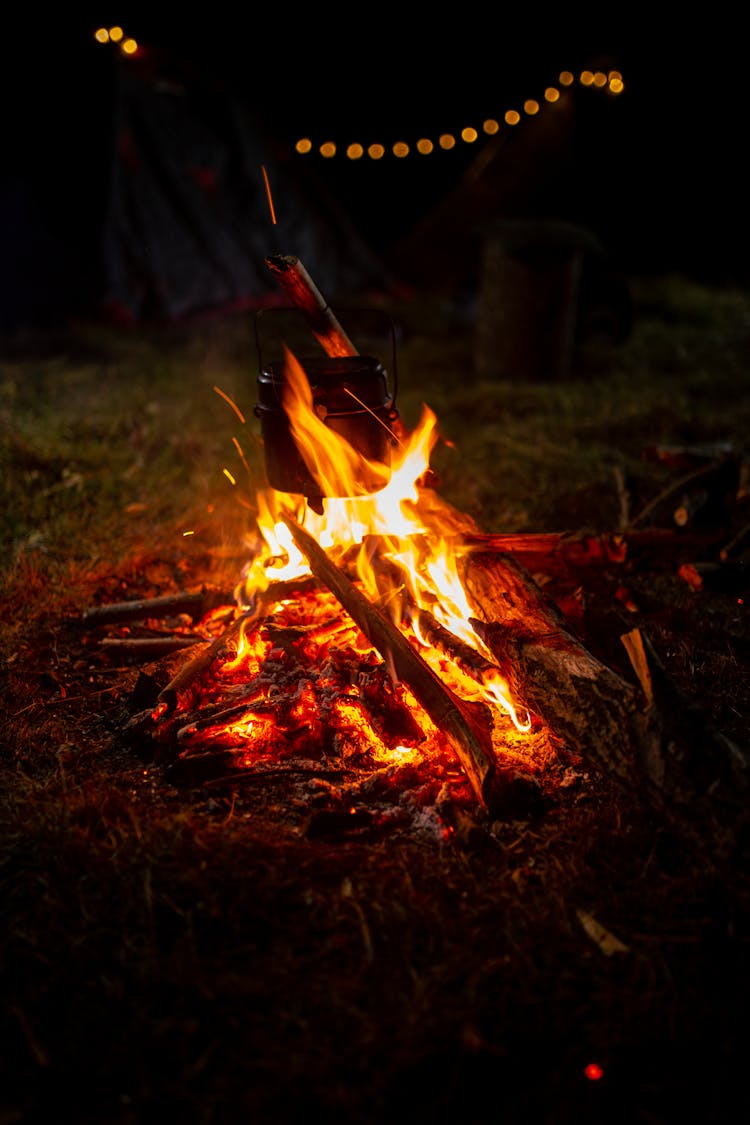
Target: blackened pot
{"x":350,"y":396}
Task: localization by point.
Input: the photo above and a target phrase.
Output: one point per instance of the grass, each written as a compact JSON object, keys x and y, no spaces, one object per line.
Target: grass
{"x":202,"y":953}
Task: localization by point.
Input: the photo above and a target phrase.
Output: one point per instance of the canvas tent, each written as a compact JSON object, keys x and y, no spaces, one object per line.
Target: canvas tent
{"x":147,"y":201}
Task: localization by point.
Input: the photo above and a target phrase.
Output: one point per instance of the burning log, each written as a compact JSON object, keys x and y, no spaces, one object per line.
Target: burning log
{"x":549,"y":552}
{"x":463,"y":656}
{"x":305,"y":295}
{"x":583,"y":702}
{"x":191,"y":671}
{"x":645,"y":738}
{"x":467,"y":726}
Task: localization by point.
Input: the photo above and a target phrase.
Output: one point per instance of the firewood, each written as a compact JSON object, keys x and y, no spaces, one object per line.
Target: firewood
{"x":549,"y":551}
{"x":583,"y":702}
{"x":196,"y":605}
{"x":468,"y":659}
{"x":556,"y":552}
{"x":150,"y":648}
{"x":190,"y":672}
{"x":650,"y":743}
{"x":256,"y":608}
{"x":467,"y":726}
{"x":304,"y":295}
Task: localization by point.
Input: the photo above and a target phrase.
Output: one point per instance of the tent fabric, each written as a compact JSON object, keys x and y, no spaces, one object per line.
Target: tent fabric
{"x":132,"y":189}
{"x":188,"y":222}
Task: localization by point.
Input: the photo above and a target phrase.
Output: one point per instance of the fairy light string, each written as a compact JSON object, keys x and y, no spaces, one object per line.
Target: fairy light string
{"x":609,"y":82}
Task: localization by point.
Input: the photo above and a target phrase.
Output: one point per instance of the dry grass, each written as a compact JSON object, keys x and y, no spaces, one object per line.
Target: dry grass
{"x":200,"y":953}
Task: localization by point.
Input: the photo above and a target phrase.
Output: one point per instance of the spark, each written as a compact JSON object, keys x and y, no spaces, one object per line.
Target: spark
{"x":233,"y":404}
{"x":268,"y":194}
{"x":241,"y":455}
{"x":375,"y":416}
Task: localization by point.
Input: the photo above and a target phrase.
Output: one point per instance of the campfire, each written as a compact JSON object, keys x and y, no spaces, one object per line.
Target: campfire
{"x":376,"y":632}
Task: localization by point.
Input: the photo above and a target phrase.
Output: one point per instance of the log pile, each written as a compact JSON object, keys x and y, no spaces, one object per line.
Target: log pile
{"x":365,"y":678}
{"x":636,"y":732}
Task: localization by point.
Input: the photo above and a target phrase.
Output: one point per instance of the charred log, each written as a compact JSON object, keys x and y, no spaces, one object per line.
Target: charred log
{"x":642,"y":736}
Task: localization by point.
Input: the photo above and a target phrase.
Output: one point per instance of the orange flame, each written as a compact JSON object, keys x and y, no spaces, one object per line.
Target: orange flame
{"x":413,"y":535}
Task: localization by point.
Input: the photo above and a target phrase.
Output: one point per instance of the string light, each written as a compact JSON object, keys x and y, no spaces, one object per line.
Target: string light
{"x":611,"y":81}
{"x":127,"y":44}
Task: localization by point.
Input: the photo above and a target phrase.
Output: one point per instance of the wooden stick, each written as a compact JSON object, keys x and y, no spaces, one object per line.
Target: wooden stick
{"x":389,"y":577}
{"x":304,"y":294}
{"x":203,"y":661}
{"x":150,"y":648}
{"x":196,"y":605}
{"x":468,"y":659}
{"x":467,"y":726}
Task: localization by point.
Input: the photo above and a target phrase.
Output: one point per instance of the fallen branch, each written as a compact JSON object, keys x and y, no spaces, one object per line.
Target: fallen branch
{"x":196,"y":605}
{"x":150,"y":648}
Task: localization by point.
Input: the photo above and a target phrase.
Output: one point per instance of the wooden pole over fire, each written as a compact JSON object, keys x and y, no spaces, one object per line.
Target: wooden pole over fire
{"x":305,"y":295}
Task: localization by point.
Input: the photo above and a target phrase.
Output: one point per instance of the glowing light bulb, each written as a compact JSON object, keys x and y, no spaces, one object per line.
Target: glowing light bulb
{"x":490,"y":126}
{"x":376,"y":152}
{"x":355,"y":151}
{"x":101,"y":35}
{"x":469,"y":135}
{"x":566,"y":78}
{"x":425,"y":146}
{"x":400,"y":149}
{"x":328,"y":149}
{"x":303,"y":145}
{"x":129,"y":46}
{"x":551,"y":94}
{"x":447,"y":141}
{"x":115,"y":34}
{"x":512,"y":117}
{"x":531,"y":107}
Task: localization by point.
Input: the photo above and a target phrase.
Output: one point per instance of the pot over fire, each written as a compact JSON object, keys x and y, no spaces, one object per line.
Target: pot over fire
{"x":351,"y":396}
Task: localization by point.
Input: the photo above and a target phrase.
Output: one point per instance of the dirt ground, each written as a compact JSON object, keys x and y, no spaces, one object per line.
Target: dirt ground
{"x":344,"y":940}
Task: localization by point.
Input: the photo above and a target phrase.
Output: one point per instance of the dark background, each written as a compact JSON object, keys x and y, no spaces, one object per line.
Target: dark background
{"x":657,"y":173}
